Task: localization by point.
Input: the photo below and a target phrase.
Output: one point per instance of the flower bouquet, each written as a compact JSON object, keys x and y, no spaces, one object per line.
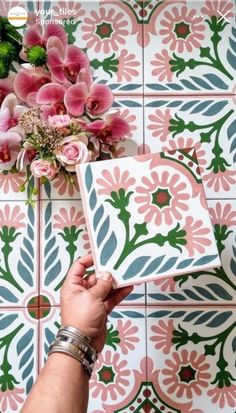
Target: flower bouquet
{"x":53,"y":116}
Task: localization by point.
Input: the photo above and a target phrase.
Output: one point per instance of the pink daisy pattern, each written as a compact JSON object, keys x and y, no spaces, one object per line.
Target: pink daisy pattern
{"x":12,"y":217}
{"x":105,"y":30}
{"x":197,"y":236}
{"x":128,"y":67}
{"x":166,"y":284}
{"x":11,"y":182}
{"x":162,"y":67}
{"x":112,"y":183}
{"x":110,"y":378}
{"x":163,"y":335}
{"x":183,"y":29}
{"x":160,"y":124}
{"x":223,"y":396}
{"x":12,"y":399}
{"x":166,"y":203}
{"x":186,"y":374}
{"x":223,"y":215}
{"x":127,"y":335}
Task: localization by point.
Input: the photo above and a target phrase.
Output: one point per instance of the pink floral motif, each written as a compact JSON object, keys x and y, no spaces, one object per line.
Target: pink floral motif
{"x":68,"y":218}
{"x":63,"y":185}
{"x":181,"y":143}
{"x":162,"y":66}
{"x":160,"y":125}
{"x":223,"y":215}
{"x":86,"y":242}
{"x":111,"y":377}
{"x":218,"y":8}
{"x":166,"y":284}
{"x":126,"y":68}
{"x":196,"y":236}
{"x":11,"y":182}
{"x":12,"y":217}
{"x":220,"y":181}
{"x":162,"y":198}
{"x":163,"y":335}
{"x":11,"y":399}
{"x":105,"y":30}
{"x":6,"y":86}
{"x":182,"y":28}
{"x":128,"y":335}
{"x":225,"y":396}
{"x":112,"y":183}
{"x":186,"y":373}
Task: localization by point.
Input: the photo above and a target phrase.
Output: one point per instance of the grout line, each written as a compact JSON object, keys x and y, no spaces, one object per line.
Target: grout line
{"x":173,"y":95}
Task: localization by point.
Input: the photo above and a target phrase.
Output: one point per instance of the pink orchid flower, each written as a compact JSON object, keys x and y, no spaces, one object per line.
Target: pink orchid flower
{"x":27,"y":83}
{"x":87,"y":96}
{"x":10,"y":112}
{"x":51,"y":99}
{"x":10,"y":145}
{"x":6,"y":86}
{"x":25,"y":156}
{"x":39,"y":35}
{"x":65,"y":63}
{"x":110,"y":130}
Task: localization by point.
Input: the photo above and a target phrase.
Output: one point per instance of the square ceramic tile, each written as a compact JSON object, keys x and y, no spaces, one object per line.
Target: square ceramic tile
{"x":19,"y":357}
{"x":129,"y":108}
{"x":111,"y":34}
{"x":209,"y":123}
{"x":15,"y":186}
{"x":189,"y":47}
{"x":147,"y":203}
{"x":63,"y":238}
{"x":207,"y":287}
{"x":18,"y":253}
{"x":191,"y":359}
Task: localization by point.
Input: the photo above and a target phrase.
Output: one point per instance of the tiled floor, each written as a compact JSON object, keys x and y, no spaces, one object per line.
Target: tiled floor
{"x":171,"y":345}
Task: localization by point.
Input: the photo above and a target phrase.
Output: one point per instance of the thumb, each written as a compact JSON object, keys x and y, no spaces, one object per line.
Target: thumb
{"x":103,"y":285}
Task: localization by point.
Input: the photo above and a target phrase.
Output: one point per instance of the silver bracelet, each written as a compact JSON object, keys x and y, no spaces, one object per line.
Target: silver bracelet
{"x":78,"y":333}
{"x":88,"y":350}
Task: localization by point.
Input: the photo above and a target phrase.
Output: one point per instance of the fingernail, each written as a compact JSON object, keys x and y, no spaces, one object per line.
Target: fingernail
{"x":105,"y":276}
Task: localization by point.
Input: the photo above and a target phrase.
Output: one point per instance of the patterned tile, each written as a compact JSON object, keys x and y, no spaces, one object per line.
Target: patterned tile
{"x":189,"y":48}
{"x":18,"y":254}
{"x":110,"y":32}
{"x":64,"y":238}
{"x":205,"y":287}
{"x":19,"y":357}
{"x":209,"y":123}
{"x":191,"y":353}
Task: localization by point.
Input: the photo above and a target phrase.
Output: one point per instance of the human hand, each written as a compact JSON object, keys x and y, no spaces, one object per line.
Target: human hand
{"x":86,"y":302}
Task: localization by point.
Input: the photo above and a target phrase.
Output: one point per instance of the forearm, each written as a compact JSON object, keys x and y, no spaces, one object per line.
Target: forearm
{"x":61,"y":387}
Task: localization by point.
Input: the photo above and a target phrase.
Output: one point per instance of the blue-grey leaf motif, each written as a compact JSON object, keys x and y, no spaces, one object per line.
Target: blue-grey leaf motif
{"x":134,"y":296}
{"x":231,"y":59}
{"x":184,"y":263}
{"x":168,"y":265}
{"x":103,"y":231}
{"x":202,"y":83}
{"x":234,"y":344}
{"x":205,"y":317}
{"x":53,"y":273}
{"x":192,"y":315}
{"x":48,"y":231}
{"x":130,"y":103}
{"x":174,"y":86}
{"x":135,"y":267}
{"x":157,"y":86}
{"x":177,"y":314}
{"x":152,"y":267}
{"x":231,"y":53}
{"x":215,"y":108}
{"x":108,"y":249}
{"x":29,"y":385}
{"x":88,"y":177}
{"x":189,"y":105}
{"x":93,"y":199}
{"x":49,"y":335}
{"x":159,"y":297}
{"x":220,"y":292}
{"x":28,"y":246}
{"x":191,"y":294}
{"x":189,"y":85}
{"x":28,"y":370}
{"x":6,"y":321}
{"x":205,"y":260}
{"x":159,"y":314}
{"x":201,"y":106}
{"x":48,"y":189}
{"x":205,"y":293}
{"x":233,"y":262}
{"x":133,"y":314}
{"x":131,"y":86}
{"x":51,"y":258}
{"x":27,"y":259}
{"x":231,"y":129}
{"x":50,"y":244}
{"x":31,"y":215}
{"x":220,"y":319}
{"x":216,"y":81}
{"x":98,"y":216}
{"x":30,"y":232}
{"x":48,"y":213}
{"x":25,"y":274}
{"x":7,"y":295}
{"x":26,"y":356}
{"x":113,"y":86}
{"x":177,"y":296}
{"x":24,"y":341}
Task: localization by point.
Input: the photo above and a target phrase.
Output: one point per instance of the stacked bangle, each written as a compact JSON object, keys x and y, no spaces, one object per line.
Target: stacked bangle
{"x":73,"y":342}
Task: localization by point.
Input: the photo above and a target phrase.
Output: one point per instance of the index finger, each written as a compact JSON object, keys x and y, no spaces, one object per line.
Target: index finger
{"x":79,"y":267}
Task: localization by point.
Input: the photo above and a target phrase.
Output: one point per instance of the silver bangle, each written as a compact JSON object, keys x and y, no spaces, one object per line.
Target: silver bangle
{"x":88,"y":350}
{"x":76,"y":332}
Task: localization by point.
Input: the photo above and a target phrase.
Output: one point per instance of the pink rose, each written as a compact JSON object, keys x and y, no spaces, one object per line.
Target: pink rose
{"x":72,"y":151}
{"x":59,"y":121}
{"x":43,"y":168}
